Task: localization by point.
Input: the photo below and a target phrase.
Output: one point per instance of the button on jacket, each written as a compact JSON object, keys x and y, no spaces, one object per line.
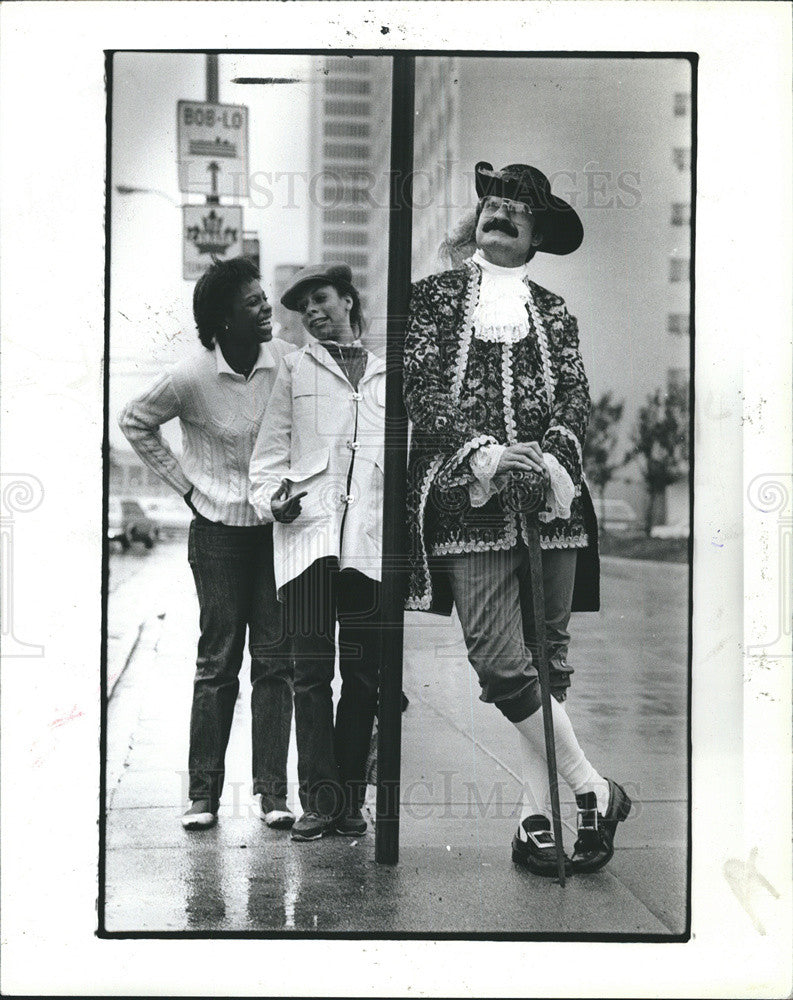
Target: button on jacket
{"x":326,"y":438}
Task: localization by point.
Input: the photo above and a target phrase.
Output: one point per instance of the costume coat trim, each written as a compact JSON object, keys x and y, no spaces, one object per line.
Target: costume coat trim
{"x":449,"y":423}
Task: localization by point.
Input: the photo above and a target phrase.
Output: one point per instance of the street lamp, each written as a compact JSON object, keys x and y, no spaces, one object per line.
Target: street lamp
{"x":131,"y":189}
{"x":267,"y":80}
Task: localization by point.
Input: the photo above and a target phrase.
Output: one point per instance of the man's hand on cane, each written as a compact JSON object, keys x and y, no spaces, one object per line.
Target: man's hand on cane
{"x":522,"y":457}
{"x":285,"y":508}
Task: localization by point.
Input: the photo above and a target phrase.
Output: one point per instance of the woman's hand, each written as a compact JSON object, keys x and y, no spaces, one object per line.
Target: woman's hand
{"x":524,"y":457}
{"x":285,"y":508}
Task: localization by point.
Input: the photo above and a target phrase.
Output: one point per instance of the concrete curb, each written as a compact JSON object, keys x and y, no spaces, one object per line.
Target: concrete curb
{"x":123,"y":650}
{"x":655,"y":563}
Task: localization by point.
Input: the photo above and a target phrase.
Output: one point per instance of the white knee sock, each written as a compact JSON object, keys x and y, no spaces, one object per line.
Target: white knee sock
{"x":571,"y":762}
{"x":536,"y":794}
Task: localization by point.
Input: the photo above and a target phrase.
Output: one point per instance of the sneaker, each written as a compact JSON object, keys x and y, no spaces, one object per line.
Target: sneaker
{"x":311,"y":826}
{"x":534,"y":847}
{"x":277,"y":819}
{"x":200,"y":815}
{"x":351,"y":826}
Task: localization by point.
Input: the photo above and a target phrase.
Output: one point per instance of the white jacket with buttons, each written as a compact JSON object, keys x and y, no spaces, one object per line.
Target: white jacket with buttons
{"x":326,"y":438}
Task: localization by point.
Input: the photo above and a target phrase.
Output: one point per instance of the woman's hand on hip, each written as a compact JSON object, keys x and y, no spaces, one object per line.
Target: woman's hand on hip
{"x":523,"y":457}
{"x":285,"y":508}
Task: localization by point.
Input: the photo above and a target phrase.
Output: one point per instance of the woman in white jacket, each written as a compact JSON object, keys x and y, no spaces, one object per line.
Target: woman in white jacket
{"x":317,"y":471}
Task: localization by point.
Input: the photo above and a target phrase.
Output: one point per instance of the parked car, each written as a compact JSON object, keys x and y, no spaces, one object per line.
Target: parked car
{"x":127,"y":522}
{"x":171,"y":514}
{"x":615,"y":515}
{"x":679,"y":530}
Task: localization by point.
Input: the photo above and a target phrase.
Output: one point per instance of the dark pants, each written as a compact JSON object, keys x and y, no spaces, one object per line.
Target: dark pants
{"x":331,"y":760}
{"x":233,"y":571}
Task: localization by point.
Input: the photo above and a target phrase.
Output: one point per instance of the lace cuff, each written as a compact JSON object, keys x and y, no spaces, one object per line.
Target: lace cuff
{"x":455,"y":470}
{"x":483,"y":463}
{"x":560,"y":492}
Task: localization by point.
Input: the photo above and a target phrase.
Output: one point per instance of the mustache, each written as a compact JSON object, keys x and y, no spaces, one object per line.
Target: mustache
{"x":504,"y":225}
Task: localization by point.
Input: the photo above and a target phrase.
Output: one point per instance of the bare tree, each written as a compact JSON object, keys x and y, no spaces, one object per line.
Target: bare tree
{"x":660,"y":442}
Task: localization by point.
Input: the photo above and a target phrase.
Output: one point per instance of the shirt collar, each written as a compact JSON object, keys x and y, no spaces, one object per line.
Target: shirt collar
{"x":519,"y":272}
{"x":317,"y":349}
{"x":264,"y":360}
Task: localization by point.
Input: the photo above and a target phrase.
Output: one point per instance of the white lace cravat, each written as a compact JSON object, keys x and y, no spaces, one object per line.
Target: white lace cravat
{"x":500,"y":314}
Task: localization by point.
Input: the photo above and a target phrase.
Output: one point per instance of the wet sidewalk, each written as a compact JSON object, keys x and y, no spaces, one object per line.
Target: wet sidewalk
{"x":459,"y":796}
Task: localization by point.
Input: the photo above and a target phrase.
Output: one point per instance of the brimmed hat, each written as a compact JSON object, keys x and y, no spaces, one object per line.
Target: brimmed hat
{"x":561,"y":228}
{"x":338,"y":275}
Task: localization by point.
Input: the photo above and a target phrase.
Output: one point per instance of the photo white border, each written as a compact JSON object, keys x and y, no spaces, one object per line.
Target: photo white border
{"x":52,"y":319}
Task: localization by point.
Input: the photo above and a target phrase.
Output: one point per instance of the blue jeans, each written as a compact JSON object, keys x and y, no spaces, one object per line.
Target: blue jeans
{"x":331,"y":758}
{"x":492,"y":594}
{"x":233,"y":571}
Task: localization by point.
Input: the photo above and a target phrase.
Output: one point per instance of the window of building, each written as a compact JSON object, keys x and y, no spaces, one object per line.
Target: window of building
{"x":681,"y":213}
{"x":352,"y":258}
{"x":347,"y":108}
{"x":346,"y":237}
{"x":350,"y":216}
{"x":678,"y":269}
{"x":348,"y":64}
{"x":352,"y":130}
{"x":345,"y":151}
{"x":682,"y":104}
{"x":336,"y":86}
{"x":681,"y":155}
{"x":339,"y":194}
{"x":677,"y":323}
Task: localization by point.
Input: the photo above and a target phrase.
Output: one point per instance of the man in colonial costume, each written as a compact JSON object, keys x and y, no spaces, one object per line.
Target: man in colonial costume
{"x":499,"y":401}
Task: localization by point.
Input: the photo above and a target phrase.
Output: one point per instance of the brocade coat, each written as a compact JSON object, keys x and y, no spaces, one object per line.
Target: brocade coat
{"x":462,"y":392}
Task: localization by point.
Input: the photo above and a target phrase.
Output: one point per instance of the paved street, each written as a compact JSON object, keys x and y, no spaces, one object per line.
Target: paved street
{"x":460,"y":782}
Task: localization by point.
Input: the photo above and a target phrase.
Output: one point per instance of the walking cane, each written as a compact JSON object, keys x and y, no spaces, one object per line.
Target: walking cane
{"x":538,"y":604}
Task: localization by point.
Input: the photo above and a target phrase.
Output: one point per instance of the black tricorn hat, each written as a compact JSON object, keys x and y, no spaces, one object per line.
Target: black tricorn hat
{"x":561,"y":228}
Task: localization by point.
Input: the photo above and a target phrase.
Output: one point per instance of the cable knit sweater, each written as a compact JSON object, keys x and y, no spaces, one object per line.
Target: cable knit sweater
{"x":220,"y":412}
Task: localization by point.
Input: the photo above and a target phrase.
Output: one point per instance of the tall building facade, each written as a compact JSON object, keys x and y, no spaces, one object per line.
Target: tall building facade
{"x":351,"y":125}
{"x":436,"y":158}
{"x":678,"y":329}
{"x":350,"y":131}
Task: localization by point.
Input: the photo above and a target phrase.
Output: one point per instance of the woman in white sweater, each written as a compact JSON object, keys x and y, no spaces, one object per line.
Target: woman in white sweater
{"x":317,"y":471}
{"x":219,"y":394}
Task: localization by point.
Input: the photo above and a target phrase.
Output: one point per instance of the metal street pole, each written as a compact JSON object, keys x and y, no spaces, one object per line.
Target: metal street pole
{"x":389,"y":733}
{"x":213,"y":97}
{"x":213,"y":80}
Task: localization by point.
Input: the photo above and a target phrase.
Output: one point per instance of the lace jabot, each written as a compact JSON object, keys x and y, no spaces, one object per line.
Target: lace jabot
{"x":500,"y":314}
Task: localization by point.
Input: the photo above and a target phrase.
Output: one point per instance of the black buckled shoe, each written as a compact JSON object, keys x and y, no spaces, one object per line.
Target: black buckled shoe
{"x":594,"y":847}
{"x":537,"y":851}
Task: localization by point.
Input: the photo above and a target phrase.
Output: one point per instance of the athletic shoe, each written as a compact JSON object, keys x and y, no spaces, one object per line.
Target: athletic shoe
{"x":200,"y":815}
{"x":277,"y":819}
{"x":351,"y":826}
{"x":311,"y":826}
